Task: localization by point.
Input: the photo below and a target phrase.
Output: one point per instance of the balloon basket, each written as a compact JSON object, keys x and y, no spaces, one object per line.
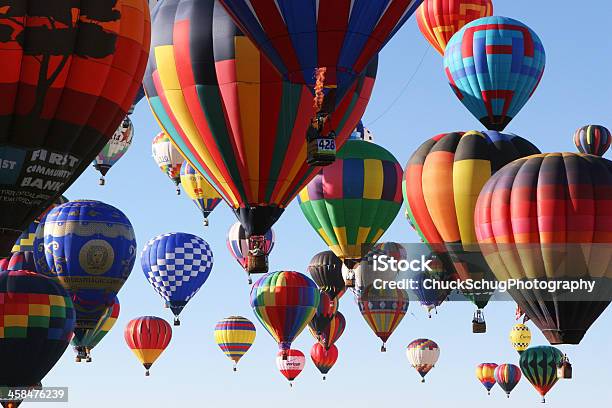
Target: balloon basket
{"x":422,"y":380}
{"x":479,"y":327}
{"x":101,"y":182}
{"x":565,"y":371}
{"x":383,"y":349}
{"x":324,"y":378}
{"x":177,"y":322}
{"x":206,"y":222}
{"x":147,"y":373}
{"x":257,"y":264}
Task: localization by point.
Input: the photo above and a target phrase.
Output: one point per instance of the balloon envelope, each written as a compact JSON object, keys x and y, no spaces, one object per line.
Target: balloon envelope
{"x":485,"y":373}
{"x":423,"y":355}
{"x":593,"y":139}
{"x":235,"y":335}
{"x":539,"y":366}
{"x":147,"y":337}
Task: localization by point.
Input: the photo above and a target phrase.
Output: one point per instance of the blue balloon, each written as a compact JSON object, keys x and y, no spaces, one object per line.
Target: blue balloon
{"x":177,"y":264}
{"x":90,"y":247}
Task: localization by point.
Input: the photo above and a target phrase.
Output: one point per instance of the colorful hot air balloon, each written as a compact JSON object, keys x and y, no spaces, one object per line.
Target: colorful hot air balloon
{"x":324,"y":359}
{"x":231,"y":114}
{"x":290,"y":363}
{"x":323,"y":316}
{"x":84,"y":340}
{"x":442,"y":181}
{"x":235,"y":335}
{"x":325,"y":268}
{"x":485,"y":372}
{"x":423,"y":355}
{"x":439,"y":20}
{"x":90,"y":247}
{"x":352,"y":202}
{"x":19,"y":261}
{"x":520,"y":337}
{"x":539,"y":365}
{"x":547,"y":240}
{"x":507,"y":376}
{"x":37,"y":321}
{"x":69,"y":74}
{"x":383,"y":309}
{"x":332,"y":332}
{"x":168,"y":158}
{"x":430,"y":296}
{"x":176,"y":264}
{"x":494,"y":64}
{"x":324,"y":47}
{"x":199,"y":190}
{"x":147,"y":337}
{"x":114,"y":150}
{"x":593,"y":139}
{"x":284,"y":302}
{"x":238,"y":245}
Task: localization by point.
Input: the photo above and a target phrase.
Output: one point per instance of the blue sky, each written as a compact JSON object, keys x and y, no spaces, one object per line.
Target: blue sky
{"x":575,"y":91}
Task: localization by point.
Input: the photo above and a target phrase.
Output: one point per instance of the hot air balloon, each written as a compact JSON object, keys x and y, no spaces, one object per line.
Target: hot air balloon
{"x":284,"y":302}
{"x":55,"y":118}
{"x":507,"y":376}
{"x":494,"y":65}
{"x":332,"y":332}
{"x":168,"y":158}
{"x":238,"y":245}
{"x":323,"y":316}
{"x":37,"y":321}
{"x":325,"y":268}
{"x":423,"y":355}
{"x":235,"y":335}
{"x":84,"y":340}
{"x":233,"y":117}
{"x":199,"y":190}
{"x":147,"y":337}
{"x":352,"y":202}
{"x":114,"y":150}
{"x":290,"y":363}
{"x":383,"y":309}
{"x":362,"y":133}
{"x":520,"y":337}
{"x":438,"y":20}
{"x":485,"y":372}
{"x":90,"y":248}
{"x":324,"y":47}
{"x":562,"y":245}
{"x":176,"y":264}
{"x":593,"y":139}
{"x":441,"y":202}
{"x":430,"y":296}
{"x":324,"y":359}
{"x":539,"y":366}
{"x":18,"y":261}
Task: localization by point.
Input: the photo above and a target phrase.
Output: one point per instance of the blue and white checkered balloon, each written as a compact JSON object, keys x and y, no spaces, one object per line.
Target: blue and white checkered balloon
{"x":177,"y":264}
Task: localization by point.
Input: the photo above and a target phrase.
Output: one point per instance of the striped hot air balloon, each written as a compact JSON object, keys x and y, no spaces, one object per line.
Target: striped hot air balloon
{"x":284,"y":302}
{"x":442,"y":181}
{"x":546,"y":217}
{"x":485,"y":373}
{"x":325,"y":268}
{"x":324,"y":359}
{"x":507,"y":376}
{"x":494,"y":65}
{"x":439,"y":20}
{"x":231,"y":114}
{"x":235,"y":335}
{"x":539,"y":366}
{"x":593,"y":139}
{"x":423,"y":355}
{"x":84,"y":340}
{"x":351,"y":203}
{"x":383,"y":309}
{"x":147,"y":337}
{"x":324,"y":315}
{"x":199,"y":190}
{"x":332,"y":332}
{"x":290,"y":364}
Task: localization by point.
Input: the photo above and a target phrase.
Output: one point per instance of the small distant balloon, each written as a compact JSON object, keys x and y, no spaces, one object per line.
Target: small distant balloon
{"x":593,"y":139}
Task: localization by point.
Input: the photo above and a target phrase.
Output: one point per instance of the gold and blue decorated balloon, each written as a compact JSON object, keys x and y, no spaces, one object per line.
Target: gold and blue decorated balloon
{"x":90,"y":248}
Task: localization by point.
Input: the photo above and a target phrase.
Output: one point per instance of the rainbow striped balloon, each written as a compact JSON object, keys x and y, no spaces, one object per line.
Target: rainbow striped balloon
{"x":485,"y":374}
{"x":507,"y":376}
{"x":284,"y":302}
{"x":593,"y":139}
{"x":235,"y":335}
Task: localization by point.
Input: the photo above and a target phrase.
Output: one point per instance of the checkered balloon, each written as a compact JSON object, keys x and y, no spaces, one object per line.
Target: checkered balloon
{"x":177,"y":264}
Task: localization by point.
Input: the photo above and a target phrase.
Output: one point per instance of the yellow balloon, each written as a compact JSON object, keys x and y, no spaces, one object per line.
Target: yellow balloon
{"x":520,"y":337}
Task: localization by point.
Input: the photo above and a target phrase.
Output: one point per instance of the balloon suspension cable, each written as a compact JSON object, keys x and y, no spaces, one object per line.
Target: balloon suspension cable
{"x":101,"y":181}
{"x":177,"y":322}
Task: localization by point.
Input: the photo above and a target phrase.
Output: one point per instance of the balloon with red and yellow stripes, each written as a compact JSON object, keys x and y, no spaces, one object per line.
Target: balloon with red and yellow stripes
{"x":439,"y":20}
{"x":235,"y":335}
{"x":147,"y":337}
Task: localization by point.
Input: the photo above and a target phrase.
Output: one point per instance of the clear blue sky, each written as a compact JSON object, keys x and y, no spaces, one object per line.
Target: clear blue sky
{"x":193,"y":372}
